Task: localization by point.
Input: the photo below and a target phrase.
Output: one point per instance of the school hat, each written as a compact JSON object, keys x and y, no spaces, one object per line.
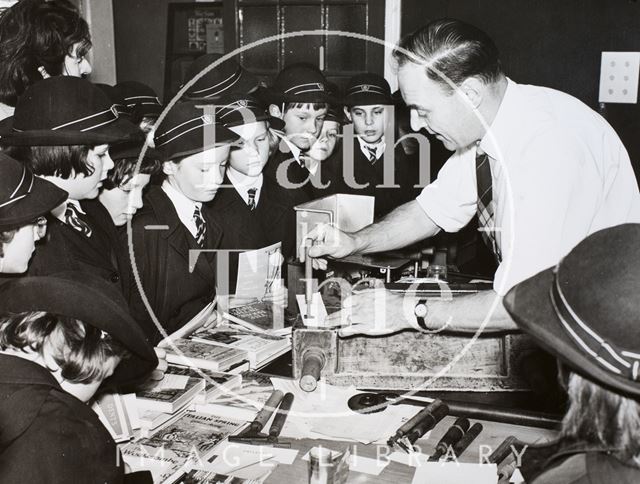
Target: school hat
{"x":139,"y":99}
{"x":92,"y":300}
{"x":115,"y":97}
{"x":227,"y":77}
{"x":586,"y":310}
{"x":186,"y":130}
{"x":299,"y":83}
{"x":23,"y":196}
{"x":335,"y":111}
{"x":65,"y":110}
{"x":367,"y":89}
{"x":237,"y":109}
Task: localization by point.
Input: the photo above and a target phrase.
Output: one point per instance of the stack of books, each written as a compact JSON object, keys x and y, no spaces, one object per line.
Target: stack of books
{"x":262,"y":317}
{"x":187,"y":352}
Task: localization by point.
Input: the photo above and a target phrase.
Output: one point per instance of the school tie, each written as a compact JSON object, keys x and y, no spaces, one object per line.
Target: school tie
{"x":373,"y":151}
{"x":73,"y":220}
{"x":486,"y":205}
{"x":252,"y":198}
{"x":201,"y":226}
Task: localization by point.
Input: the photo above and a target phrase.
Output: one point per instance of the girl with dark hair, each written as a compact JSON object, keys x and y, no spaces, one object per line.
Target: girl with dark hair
{"x":39,"y":39}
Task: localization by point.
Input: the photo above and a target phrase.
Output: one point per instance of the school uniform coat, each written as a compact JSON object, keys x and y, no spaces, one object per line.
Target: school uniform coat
{"x":372,"y":175}
{"x":162,"y":258}
{"x":272,"y":221}
{"x":48,"y":436}
{"x":66,"y":249}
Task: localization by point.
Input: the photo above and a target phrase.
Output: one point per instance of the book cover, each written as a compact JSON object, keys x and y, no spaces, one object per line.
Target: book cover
{"x":216,"y":383}
{"x":209,"y":477}
{"x":158,"y":396}
{"x":186,"y":352}
{"x":260,"y":316}
{"x":112,"y":412}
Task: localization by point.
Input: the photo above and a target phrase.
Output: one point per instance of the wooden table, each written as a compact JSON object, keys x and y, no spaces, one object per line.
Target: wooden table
{"x":490,"y":437}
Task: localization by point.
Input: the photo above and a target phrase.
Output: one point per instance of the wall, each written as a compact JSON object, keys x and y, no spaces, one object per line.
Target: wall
{"x":552,"y":43}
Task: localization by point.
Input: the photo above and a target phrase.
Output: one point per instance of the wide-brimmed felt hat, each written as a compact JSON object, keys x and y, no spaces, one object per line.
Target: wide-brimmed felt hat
{"x":65,"y":110}
{"x":188,"y":129}
{"x":132,"y":149}
{"x":90,"y":299}
{"x":227,"y":77}
{"x":140,"y":100}
{"x":299,"y":83}
{"x":116,"y":99}
{"x":367,"y":89}
{"x":586,"y":310}
{"x":23,"y":196}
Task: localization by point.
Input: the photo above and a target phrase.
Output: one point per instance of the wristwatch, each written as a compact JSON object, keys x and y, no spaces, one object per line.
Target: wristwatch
{"x":421,"y":310}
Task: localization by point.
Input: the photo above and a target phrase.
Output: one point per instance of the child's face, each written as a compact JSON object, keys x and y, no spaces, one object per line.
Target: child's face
{"x":81,"y":186}
{"x":252,"y":153}
{"x":368,"y":121}
{"x":200,"y":175}
{"x":75,"y":65}
{"x":326,"y":143}
{"x":302,"y":125}
{"x":18,"y":251}
{"x":124,"y":201}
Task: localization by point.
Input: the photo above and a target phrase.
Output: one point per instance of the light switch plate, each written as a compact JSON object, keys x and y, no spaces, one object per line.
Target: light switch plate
{"x":619,"y":77}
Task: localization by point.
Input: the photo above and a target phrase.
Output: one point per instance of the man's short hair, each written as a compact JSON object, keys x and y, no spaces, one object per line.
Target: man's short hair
{"x":453,"y":49}
{"x":62,"y":161}
{"x":80,"y":350}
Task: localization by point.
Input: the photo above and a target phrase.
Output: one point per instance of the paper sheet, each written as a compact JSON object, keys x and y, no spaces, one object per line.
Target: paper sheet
{"x":325,"y":414}
{"x":259,"y":272}
{"x":359,"y":463}
{"x":318,"y":310}
{"x":455,"y":473}
{"x":233,"y":452}
{"x":173,"y":382}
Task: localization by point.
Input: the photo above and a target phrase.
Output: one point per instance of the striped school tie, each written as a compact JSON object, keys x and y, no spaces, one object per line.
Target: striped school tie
{"x":486,"y":205}
{"x":252,"y":198}
{"x":373,"y":151}
{"x":201,"y":226}
{"x":73,"y":220}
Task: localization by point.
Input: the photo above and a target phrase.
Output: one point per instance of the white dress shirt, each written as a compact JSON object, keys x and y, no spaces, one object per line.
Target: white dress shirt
{"x":559,"y":173}
{"x":287,"y":146}
{"x":185,"y":207}
{"x":242,"y":183}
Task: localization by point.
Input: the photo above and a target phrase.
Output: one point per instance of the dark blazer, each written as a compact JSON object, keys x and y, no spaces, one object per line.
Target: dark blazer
{"x":273,"y":220}
{"x":49,"y":436}
{"x":175,"y":293}
{"x":66,"y":249}
{"x":372,"y":175}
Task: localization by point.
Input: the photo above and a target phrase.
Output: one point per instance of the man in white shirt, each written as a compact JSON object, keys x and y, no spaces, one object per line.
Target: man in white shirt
{"x":540,"y":168}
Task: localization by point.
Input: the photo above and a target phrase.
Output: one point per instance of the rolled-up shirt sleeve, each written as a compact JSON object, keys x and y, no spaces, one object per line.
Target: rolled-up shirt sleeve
{"x":451,"y":200}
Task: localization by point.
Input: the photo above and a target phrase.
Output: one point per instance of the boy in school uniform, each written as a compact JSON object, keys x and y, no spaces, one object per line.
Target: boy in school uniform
{"x":252,"y":209}
{"x":368,"y":104}
{"x":61,"y":130}
{"x":173,"y":222}
{"x":299,"y":98}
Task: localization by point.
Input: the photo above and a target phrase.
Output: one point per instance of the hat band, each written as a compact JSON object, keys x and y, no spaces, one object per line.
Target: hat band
{"x":133,"y":100}
{"x":216,"y":89}
{"x":243,"y":105}
{"x":305,"y":88}
{"x":606,"y":354}
{"x":22,"y":189}
{"x":367,"y":89}
{"x":87,"y":123}
{"x":182,"y":129}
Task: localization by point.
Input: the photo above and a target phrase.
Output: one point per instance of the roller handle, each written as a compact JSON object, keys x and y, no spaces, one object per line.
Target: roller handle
{"x":312,"y":364}
{"x":469,"y":436}
{"x":419,"y":417}
{"x":267,"y":410}
{"x":502,"y":451}
{"x":428,"y":423}
{"x":281,"y":415}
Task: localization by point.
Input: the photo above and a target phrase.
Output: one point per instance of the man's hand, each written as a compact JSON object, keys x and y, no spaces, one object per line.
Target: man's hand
{"x":374,"y":312}
{"x":327,"y":241}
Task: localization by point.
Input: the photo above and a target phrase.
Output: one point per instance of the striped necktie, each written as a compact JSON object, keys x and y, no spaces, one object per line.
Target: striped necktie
{"x":373,"y":151}
{"x":73,"y":220}
{"x":486,"y":205}
{"x":201,"y":226}
{"x":252,"y":198}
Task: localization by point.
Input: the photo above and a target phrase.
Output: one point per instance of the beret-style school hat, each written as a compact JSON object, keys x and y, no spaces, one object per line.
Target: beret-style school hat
{"x":65,"y":110}
{"x":188,"y":129}
{"x":367,"y":89}
{"x":237,"y":109}
{"x":23,"y":196}
{"x":227,"y":77}
{"x":90,"y":299}
{"x":586,"y":310}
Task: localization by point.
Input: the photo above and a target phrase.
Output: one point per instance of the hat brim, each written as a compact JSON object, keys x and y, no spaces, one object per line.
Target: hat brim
{"x":368,"y":100}
{"x":273,"y":96}
{"x":83,"y":297}
{"x":44,"y":197}
{"x":119,"y":130}
{"x":247,"y":83}
{"x":529,"y":304}
{"x":134,"y":152}
{"x":142,"y":110}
